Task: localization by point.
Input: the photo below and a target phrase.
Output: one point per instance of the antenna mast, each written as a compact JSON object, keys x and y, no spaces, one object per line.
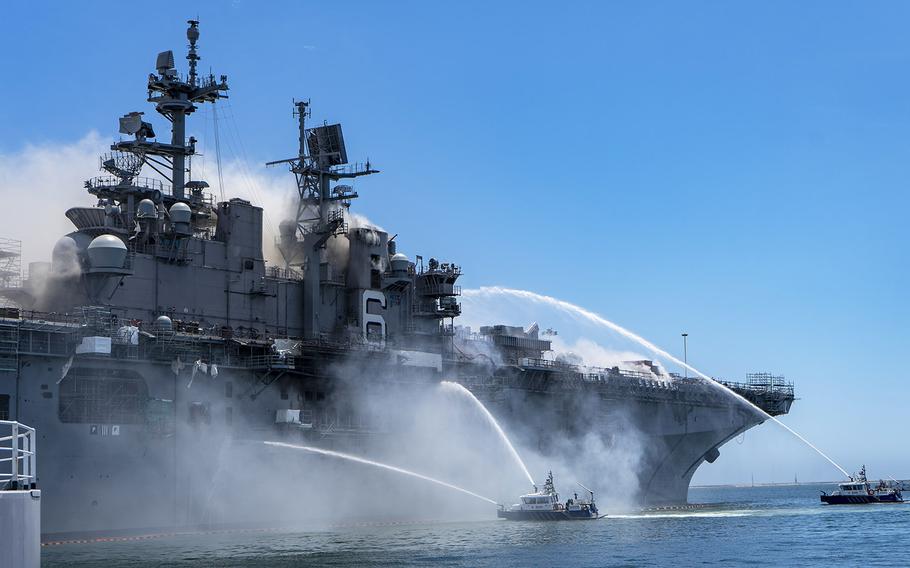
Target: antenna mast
{"x":321,"y":161}
{"x":174,"y":99}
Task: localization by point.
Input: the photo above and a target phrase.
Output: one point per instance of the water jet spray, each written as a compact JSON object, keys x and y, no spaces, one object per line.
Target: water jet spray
{"x":603,"y":322}
{"x":380,"y":465}
{"x":459,"y":388}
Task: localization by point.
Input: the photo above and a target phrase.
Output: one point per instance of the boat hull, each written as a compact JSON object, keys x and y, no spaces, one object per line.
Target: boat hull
{"x":859,"y":499}
{"x":546,"y":515}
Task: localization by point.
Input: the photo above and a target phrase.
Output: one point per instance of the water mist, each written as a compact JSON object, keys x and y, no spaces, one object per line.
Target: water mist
{"x":603,"y":322}
{"x":460,"y":389}
{"x":380,"y":465}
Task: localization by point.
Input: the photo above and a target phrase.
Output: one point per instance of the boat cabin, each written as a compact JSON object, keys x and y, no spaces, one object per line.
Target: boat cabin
{"x":540,"y":501}
{"x":853,"y":488}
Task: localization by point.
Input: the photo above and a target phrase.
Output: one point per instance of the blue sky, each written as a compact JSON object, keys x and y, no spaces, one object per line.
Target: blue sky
{"x":734,"y":170}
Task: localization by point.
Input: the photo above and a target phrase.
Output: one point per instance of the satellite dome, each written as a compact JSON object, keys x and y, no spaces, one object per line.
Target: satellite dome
{"x":180,"y":213}
{"x":399,"y":261}
{"x":106,"y":251}
{"x":146,"y":210}
{"x":163,"y":324}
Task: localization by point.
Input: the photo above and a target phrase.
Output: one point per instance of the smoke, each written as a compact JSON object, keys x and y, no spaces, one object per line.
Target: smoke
{"x":595,"y":354}
{"x":609,"y":463}
{"x":359,"y":221}
{"x":273,"y":189}
{"x":460,"y":390}
{"x":360,"y":410}
{"x":38,"y":184}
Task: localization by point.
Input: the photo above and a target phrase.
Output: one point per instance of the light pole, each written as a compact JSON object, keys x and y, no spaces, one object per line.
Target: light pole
{"x":685,"y":337}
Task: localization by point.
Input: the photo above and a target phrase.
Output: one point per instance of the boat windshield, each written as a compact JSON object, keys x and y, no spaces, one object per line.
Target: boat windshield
{"x":536,"y":500}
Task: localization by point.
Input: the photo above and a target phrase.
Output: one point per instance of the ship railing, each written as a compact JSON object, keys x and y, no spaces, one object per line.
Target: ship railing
{"x":627,"y":378}
{"x":17,"y":455}
{"x":465,"y":335}
{"x":545,"y":364}
{"x":784,"y":390}
{"x":589,"y":373}
{"x":351,"y":169}
{"x":334,"y":279}
{"x":273,"y":361}
{"x":44,"y":318}
{"x":283,"y":273}
{"x":775,"y":386}
{"x":147,"y":183}
{"x":438,"y":289}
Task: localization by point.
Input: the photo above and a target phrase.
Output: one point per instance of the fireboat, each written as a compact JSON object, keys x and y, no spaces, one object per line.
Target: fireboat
{"x":544,"y":505}
{"x":858,"y":491}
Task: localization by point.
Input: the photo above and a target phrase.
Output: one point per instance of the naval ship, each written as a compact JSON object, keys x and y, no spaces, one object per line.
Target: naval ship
{"x":158,"y":322}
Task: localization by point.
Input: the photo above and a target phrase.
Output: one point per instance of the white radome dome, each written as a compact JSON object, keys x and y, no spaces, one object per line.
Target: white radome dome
{"x":106,"y":251}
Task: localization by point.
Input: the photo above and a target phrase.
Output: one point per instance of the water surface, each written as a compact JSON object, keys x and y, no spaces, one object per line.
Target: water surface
{"x":760,"y":526}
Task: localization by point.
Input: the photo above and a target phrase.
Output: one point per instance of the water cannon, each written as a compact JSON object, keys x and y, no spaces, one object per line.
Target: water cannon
{"x":586,"y":489}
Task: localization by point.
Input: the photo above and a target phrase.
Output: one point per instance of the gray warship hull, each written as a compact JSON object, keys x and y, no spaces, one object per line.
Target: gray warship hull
{"x":158,"y":348}
{"x":125,"y":445}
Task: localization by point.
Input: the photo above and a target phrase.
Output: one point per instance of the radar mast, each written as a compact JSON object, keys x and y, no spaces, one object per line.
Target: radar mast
{"x":175,"y":99}
{"x":321,"y":161}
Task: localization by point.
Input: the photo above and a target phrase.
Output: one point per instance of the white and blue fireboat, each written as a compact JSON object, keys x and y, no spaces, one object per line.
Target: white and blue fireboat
{"x":544,"y":505}
{"x":859,"y":491}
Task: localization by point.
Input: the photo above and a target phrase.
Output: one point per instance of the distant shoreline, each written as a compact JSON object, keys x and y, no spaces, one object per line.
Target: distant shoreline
{"x":783,"y":484}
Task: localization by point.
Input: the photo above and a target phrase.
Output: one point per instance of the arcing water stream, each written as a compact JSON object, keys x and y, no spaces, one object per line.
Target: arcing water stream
{"x":460,"y":389}
{"x":602,"y":321}
{"x":365,"y":461}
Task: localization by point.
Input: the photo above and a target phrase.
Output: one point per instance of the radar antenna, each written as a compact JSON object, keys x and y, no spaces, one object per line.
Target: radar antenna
{"x":174,"y":99}
{"x":125,"y":166}
{"x":320,"y":163}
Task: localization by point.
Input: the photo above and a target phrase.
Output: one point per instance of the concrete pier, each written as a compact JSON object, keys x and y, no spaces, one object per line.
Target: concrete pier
{"x":20,"y":529}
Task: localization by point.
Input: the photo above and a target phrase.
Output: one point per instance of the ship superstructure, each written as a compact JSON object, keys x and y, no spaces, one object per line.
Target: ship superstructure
{"x":158,"y":320}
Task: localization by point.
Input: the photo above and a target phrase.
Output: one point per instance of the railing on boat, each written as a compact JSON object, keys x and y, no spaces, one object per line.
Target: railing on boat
{"x":17,"y":460}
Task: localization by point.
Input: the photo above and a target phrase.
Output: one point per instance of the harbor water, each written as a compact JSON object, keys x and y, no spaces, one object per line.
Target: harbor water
{"x":749,"y":526}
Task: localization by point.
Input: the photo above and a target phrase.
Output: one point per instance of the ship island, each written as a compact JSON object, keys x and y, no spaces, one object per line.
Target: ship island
{"x":158,"y":322}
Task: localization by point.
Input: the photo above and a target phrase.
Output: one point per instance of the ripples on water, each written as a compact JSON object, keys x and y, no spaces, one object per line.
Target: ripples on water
{"x":761,"y":526}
